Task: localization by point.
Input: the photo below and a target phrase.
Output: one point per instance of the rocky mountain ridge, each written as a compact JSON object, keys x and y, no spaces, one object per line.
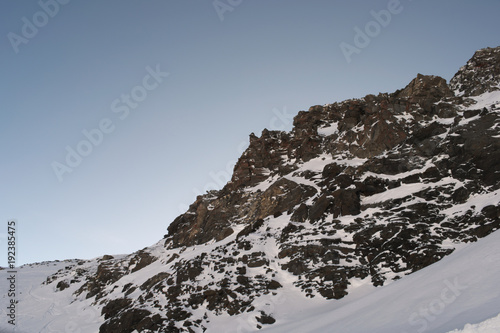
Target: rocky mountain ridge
{"x":366,"y":189}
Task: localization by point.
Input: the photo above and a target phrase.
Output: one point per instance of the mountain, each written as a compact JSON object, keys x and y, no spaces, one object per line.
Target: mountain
{"x":327,"y":225}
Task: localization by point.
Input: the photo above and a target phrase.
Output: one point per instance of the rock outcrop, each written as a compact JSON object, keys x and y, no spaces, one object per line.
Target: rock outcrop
{"x":481,"y":74}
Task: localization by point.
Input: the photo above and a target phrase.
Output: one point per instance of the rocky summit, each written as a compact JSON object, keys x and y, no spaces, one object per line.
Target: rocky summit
{"x":368,"y":189}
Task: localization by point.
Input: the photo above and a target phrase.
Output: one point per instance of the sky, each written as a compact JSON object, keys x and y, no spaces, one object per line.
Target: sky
{"x":116,"y":114}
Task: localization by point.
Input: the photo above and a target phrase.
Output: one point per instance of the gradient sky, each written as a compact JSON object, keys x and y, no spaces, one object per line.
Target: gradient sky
{"x":255,"y":69}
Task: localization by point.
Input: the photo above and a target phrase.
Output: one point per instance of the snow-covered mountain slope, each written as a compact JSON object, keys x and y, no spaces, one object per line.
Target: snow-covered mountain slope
{"x":459,"y":289}
{"x":343,"y":221}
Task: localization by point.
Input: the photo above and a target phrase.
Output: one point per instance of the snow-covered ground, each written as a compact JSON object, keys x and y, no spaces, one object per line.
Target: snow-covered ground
{"x":41,"y":309}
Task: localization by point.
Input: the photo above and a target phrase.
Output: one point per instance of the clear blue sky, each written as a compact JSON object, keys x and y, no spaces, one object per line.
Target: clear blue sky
{"x":89,"y":63}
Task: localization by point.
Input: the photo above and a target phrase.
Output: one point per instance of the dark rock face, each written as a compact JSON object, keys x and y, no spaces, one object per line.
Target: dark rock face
{"x":130,"y":321}
{"x":373,"y":188}
{"x":481,"y":74}
{"x":425,"y":87}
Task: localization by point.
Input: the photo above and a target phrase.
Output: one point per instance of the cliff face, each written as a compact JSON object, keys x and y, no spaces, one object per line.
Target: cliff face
{"x":481,"y":74}
{"x":373,"y":188}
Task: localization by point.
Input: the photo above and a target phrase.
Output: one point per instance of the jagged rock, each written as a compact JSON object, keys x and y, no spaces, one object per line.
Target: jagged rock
{"x":252,"y":227}
{"x":301,"y":214}
{"x":129,"y":321}
{"x":263,"y":155}
{"x":332,"y":170}
{"x":273,"y":284}
{"x":205,"y":220}
{"x":265,"y":319}
{"x":151,"y":282}
{"x":460,"y":195}
{"x":426,"y":90}
{"x":115,"y":306}
{"x":280,"y":196}
{"x":481,"y":74}
{"x":141,"y":260}
{"x":319,"y":208}
{"x":256,"y":259}
{"x":61,"y":285}
{"x":346,"y":202}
